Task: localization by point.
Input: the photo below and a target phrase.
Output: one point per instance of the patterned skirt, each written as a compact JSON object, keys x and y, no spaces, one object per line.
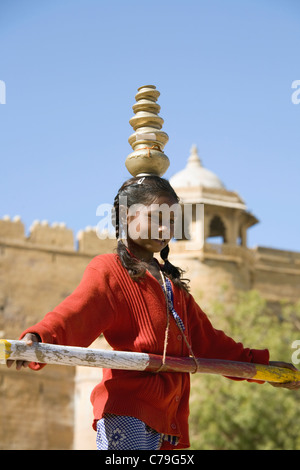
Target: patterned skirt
{"x":128,"y":433}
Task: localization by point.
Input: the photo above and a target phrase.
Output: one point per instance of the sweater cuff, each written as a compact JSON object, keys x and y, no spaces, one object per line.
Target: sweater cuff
{"x":259,"y":356}
{"x":45,"y":338}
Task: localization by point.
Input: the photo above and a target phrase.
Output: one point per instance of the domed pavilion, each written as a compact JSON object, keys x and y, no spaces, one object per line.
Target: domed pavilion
{"x":211,"y":213}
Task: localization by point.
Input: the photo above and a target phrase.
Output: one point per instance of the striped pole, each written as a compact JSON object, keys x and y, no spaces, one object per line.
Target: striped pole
{"x":75,"y":356}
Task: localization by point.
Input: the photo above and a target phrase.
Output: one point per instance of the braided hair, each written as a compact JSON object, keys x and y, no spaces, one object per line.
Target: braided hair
{"x":145,"y":193}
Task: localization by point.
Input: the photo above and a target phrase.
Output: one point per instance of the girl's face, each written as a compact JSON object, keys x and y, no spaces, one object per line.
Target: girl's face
{"x":150,"y":228}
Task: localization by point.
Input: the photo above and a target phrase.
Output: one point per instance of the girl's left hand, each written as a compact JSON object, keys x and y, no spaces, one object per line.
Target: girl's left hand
{"x":289,"y":385}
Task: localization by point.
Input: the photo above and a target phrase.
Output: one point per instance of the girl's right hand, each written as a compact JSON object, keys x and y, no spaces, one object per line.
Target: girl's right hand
{"x":29,"y":338}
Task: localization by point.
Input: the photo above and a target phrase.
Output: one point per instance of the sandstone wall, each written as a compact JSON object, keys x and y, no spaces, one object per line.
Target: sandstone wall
{"x":36,"y":273}
{"x":275,"y":274}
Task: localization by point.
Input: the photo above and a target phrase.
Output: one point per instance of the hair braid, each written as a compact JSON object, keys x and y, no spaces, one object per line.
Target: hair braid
{"x":115,"y":216}
{"x":174,"y":273}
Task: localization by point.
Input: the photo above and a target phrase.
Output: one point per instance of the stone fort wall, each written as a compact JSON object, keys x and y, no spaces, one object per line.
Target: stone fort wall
{"x":38,"y":409}
{"x":50,"y":409}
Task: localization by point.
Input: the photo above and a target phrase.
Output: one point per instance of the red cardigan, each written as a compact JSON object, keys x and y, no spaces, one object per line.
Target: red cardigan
{"x":132,"y":317}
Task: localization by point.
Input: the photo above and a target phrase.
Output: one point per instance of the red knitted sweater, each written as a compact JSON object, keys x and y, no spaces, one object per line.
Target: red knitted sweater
{"x":132,"y":317}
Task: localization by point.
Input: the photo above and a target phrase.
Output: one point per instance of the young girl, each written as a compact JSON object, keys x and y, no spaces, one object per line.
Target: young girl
{"x":139,"y":305}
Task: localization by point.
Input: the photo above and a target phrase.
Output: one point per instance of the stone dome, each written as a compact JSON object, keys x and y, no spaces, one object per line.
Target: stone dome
{"x":195,"y":175}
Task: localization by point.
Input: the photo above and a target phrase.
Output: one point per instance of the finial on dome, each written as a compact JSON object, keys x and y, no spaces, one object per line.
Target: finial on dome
{"x":194,"y":159}
{"x":148,"y":140}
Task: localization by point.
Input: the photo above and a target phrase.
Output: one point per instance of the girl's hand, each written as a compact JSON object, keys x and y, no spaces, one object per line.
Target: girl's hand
{"x":289,"y":385}
{"x":29,"y":338}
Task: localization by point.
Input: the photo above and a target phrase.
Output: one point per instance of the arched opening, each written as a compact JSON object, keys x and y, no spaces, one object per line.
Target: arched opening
{"x":239,"y":239}
{"x":217,"y":231}
{"x":242,"y":236}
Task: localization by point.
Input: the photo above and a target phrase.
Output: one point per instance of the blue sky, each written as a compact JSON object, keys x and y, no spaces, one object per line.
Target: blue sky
{"x":224,"y":69}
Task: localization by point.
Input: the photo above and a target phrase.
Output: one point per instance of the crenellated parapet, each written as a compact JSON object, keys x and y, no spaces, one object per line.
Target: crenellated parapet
{"x":56,"y":235}
{"x":12,"y":229}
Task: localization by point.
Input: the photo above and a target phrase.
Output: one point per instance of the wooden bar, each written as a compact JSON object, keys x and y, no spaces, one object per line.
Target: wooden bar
{"x":45,"y":353}
{"x":126,"y":360}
